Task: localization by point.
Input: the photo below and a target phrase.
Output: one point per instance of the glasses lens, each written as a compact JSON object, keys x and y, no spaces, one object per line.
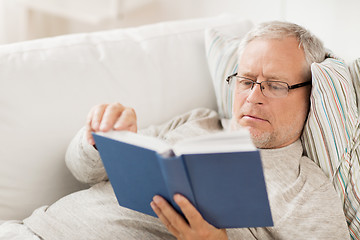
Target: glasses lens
{"x":274,"y":89}
{"x":243,"y":84}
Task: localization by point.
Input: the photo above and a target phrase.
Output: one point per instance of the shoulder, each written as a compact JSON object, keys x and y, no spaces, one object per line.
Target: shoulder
{"x":198,"y":114}
{"x":193,"y":123}
{"x":314,"y":176}
{"x":198,"y":118}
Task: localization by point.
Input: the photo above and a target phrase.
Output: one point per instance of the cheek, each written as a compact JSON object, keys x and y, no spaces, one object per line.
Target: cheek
{"x":238,"y":102}
{"x":294,"y":114}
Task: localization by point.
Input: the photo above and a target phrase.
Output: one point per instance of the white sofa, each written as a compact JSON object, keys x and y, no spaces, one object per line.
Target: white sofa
{"x":47,"y":87}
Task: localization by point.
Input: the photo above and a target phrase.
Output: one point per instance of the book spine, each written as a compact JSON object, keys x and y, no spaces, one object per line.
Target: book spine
{"x":176,"y":179}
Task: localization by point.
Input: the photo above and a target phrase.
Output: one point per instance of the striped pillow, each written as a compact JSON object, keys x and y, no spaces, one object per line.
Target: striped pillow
{"x":331,"y":134}
{"x":355,"y":74}
{"x":222,"y":59}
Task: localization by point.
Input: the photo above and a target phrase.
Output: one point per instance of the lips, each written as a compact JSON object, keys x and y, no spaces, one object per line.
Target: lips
{"x":253,"y":117}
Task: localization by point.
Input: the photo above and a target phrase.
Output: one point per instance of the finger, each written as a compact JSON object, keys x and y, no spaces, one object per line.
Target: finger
{"x":89,"y":136}
{"x":175,"y":219}
{"x":133,"y":128}
{"x":96,"y":117}
{"x":89,"y":120}
{"x":191,"y":213}
{"x":110,"y":116}
{"x":163,"y":219}
{"x":127,"y":120}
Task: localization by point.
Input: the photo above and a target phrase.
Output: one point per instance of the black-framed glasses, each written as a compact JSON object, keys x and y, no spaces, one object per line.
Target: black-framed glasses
{"x":273,"y":89}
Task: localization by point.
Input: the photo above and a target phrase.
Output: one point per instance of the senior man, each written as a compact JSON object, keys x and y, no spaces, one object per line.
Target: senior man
{"x":271,"y":99}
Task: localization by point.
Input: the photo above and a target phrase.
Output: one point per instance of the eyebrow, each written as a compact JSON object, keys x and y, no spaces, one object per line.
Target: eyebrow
{"x":277,"y":77}
{"x":247,"y":75}
{"x":267,"y":77}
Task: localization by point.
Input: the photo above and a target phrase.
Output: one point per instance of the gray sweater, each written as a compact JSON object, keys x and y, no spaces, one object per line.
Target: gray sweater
{"x":303,"y":202}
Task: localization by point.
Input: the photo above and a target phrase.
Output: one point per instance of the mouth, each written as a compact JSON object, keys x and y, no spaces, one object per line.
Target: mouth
{"x":252,"y":118}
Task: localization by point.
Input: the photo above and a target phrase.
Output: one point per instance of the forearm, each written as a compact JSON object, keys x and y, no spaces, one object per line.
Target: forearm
{"x":190,"y":124}
{"x":84,"y":161}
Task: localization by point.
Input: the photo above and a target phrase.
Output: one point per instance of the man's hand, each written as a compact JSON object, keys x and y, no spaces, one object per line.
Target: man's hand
{"x":197,"y":228}
{"x":105,"y":117}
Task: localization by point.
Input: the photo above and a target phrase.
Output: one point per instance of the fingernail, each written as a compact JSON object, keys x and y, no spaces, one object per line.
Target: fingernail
{"x":154,"y":207}
{"x":103,"y":126}
{"x":117,"y":125}
{"x":177,"y":197}
{"x":95,"y":126}
{"x":156,"y":199}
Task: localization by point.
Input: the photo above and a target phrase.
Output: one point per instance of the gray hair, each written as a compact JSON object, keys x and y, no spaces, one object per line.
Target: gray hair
{"x":313,"y":47}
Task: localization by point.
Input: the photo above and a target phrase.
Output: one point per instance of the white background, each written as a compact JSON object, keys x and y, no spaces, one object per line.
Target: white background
{"x":335,"y":22}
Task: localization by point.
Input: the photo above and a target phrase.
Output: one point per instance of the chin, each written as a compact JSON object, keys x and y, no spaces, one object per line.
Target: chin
{"x":262,"y":139}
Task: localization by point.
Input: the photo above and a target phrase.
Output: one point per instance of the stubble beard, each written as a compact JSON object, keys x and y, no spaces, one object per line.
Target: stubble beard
{"x":260,"y":140}
{"x":266,"y":140}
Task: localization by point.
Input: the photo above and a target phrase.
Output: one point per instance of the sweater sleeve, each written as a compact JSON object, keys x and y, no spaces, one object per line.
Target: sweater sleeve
{"x":84,"y":160}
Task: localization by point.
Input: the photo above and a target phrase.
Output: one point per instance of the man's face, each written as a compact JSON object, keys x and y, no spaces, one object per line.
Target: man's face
{"x":272,"y":122}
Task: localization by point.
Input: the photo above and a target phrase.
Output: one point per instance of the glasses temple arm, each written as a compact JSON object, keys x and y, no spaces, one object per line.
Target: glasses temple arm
{"x":300,"y":85}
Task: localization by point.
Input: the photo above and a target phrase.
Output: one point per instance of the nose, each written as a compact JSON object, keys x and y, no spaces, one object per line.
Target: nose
{"x":255,"y":95}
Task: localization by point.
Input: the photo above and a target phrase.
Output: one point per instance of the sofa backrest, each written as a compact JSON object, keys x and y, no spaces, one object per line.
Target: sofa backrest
{"x":48,"y":86}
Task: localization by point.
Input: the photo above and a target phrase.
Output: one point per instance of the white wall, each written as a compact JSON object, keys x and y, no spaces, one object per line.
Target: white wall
{"x":11,"y":18}
{"x":334,"y":21}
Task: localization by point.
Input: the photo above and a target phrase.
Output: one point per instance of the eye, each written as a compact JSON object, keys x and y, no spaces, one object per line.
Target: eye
{"x":245,"y":83}
{"x":277,"y":86}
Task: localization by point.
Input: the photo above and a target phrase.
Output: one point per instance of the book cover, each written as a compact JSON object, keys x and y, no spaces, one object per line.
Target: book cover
{"x":221,"y":175}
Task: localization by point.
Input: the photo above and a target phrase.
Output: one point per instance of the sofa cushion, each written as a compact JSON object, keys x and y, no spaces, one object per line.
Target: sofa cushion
{"x":49,"y":85}
{"x":331,"y":134}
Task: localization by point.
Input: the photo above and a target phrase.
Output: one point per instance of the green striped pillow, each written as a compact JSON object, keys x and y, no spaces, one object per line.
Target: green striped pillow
{"x":331,"y":134}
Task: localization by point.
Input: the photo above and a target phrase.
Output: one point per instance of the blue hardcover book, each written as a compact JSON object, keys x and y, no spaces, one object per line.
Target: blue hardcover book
{"x":221,"y":174}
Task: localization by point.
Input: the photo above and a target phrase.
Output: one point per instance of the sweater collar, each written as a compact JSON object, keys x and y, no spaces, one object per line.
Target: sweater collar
{"x":283,"y":161}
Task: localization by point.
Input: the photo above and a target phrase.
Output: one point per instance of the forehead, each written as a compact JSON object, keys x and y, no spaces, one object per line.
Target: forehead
{"x":273,"y":58}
